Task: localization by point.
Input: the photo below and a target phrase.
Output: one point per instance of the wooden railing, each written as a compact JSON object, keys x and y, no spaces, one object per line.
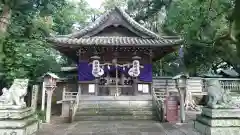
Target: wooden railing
{"x":196,"y":84}
{"x":159,"y":97}
{"x":75,"y":106}
{"x":73,"y":98}
{"x":229,"y":84}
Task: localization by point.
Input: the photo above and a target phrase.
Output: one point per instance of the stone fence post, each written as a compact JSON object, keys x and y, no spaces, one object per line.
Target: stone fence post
{"x":34,"y":97}
{"x":43,"y":96}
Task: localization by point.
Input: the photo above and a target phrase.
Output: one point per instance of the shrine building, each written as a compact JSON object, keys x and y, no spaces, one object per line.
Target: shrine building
{"x":114,"y":57}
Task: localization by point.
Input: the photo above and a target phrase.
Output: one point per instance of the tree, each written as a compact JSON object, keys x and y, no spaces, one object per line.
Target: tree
{"x":73,"y":13}
{"x":109,"y":4}
{"x":12,"y":8}
{"x":235,"y":19}
{"x":28,"y":55}
{"x":143,"y":10}
{"x":204,"y":25}
{"x":201,"y":23}
{"x":7,"y":8}
{"x":230,"y":41}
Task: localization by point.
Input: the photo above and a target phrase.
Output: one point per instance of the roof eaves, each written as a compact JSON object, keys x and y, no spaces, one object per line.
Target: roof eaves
{"x":119,"y":40}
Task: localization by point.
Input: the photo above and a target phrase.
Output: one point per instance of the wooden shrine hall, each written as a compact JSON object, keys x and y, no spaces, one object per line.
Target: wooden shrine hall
{"x":114,"y":55}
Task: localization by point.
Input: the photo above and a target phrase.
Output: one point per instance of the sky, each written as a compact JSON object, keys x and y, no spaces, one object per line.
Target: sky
{"x":95,"y":3}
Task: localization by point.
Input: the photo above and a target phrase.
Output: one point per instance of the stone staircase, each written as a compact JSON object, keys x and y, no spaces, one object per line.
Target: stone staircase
{"x":115,"y":110}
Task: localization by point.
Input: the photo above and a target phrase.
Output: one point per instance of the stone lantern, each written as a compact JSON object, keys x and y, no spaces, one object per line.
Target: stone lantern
{"x":181,"y":85}
{"x":50,"y":81}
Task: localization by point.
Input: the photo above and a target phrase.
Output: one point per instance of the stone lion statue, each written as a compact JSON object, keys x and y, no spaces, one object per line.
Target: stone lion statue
{"x":15,"y":94}
{"x":217,"y":97}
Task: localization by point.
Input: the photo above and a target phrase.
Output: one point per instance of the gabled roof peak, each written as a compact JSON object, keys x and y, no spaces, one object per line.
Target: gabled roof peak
{"x":119,"y":13}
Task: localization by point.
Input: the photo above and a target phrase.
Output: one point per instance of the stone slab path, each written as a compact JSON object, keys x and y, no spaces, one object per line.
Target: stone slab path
{"x":58,"y":127}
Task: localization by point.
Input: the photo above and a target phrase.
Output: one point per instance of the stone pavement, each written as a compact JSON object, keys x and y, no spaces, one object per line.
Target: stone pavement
{"x":58,"y":127}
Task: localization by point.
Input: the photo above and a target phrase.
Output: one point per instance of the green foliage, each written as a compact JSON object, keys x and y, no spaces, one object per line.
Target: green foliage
{"x":201,"y":23}
{"x":28,"y":55}
{"x":204,"y":24}
{"x":41,"y":115}
{"x":145,"y":9}
{"x":210,"y":30}
{"x":110,"y":4}
{"x":70,"y":14}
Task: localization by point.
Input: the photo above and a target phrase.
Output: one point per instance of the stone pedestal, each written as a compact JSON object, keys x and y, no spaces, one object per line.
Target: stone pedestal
{"x":18,"y":122}
{"x":218,"y":122}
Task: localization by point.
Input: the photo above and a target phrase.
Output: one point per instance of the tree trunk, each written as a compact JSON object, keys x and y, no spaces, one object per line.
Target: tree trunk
{"x":5,"y":19}
{"x":235,"y":34}
{"x":4,"y":23}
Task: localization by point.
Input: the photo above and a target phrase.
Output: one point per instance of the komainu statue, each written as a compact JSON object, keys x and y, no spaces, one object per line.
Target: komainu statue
{"x":217,"y":97}
{"x":14,"y":96}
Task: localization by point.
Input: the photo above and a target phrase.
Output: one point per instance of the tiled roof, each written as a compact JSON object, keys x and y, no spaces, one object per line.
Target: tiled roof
{"x":121,"y":41}
{"x":103,"y":19}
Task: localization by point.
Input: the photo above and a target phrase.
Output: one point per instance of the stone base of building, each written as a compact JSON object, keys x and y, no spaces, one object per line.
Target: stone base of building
{"x":18,"y":122}
{"x":218,"y":122}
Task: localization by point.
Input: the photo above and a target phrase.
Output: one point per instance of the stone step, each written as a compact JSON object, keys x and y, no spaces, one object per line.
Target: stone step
{"x":100,"y":110}
{"x":116,"y":109}
{"x":114,"y":112}
{"x":110,"y":106}
{"x":106,"y":118}
{"x":115,"y":104}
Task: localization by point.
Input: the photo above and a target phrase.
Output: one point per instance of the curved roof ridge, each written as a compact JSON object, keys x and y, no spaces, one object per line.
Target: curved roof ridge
{"x":115,"y":41}
{"x":90,"y":26}
{"x":104,"y":17}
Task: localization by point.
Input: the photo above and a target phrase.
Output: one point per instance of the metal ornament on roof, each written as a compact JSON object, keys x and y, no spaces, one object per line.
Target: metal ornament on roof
{"x":97,"y":71}
{"x":135,"y":70}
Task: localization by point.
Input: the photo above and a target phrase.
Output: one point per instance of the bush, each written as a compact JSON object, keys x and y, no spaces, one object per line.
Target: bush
{"x":41,"y":115}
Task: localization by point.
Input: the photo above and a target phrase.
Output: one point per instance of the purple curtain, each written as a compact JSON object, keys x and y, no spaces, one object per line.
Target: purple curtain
{"x":112,"y":68}
{"x":146,"y":73}
{"x":85,"y":72}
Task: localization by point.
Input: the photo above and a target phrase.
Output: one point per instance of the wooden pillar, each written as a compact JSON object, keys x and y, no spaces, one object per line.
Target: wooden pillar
{"x":135,"y":86}
{"x":117,"y":89}
{"x":122,"y":78}
{"x":115,"y":62}
{"x":108,"y":78}
{"x":150,"y":61}
{"x":79,"y":89}
{"x":96,"y":86}
{"x":96,"y":57}
{"x":80,"y":52}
